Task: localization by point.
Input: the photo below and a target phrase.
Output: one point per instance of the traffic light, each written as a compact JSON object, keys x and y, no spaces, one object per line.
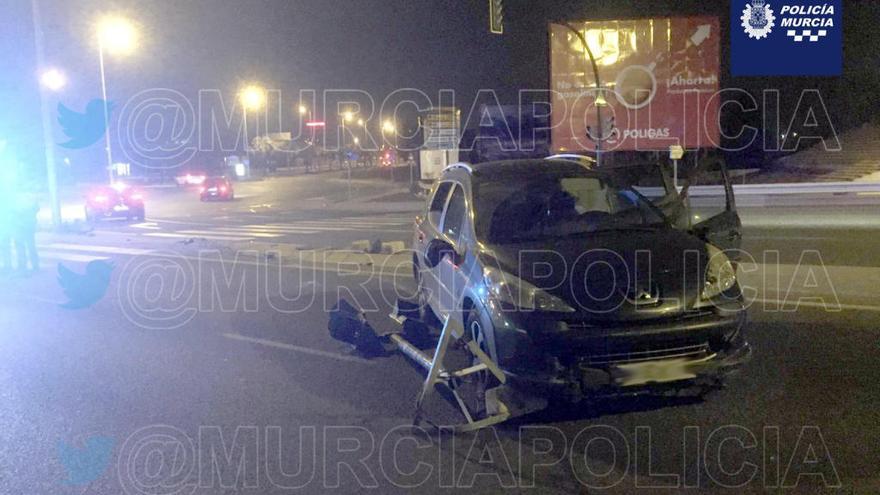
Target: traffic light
{"x":496,"y":16}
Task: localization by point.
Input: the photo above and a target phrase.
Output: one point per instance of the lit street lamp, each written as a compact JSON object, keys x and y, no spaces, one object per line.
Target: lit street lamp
{"x":53,"y":79}
{"x":252,"y":97}
{"x":116,"y":36}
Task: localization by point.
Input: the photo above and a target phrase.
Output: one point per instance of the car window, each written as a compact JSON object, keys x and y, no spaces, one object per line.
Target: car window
{"x":454,"y":219}
{"x":438,"y":202}
{"x":556,"y":204}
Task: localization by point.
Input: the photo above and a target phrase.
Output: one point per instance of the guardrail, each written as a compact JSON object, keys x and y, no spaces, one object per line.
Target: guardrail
{"x":790,"y":194}
{"x":799,"y":188}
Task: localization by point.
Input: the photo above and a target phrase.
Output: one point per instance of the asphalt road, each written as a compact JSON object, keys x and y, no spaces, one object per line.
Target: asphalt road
{"x":197,"y":374}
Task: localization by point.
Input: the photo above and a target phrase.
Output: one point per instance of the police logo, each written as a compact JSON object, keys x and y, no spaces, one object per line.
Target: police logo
{"x":758,"y":19}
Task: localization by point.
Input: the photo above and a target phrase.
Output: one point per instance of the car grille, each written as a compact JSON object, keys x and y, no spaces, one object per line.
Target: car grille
{"x":692,"y":351}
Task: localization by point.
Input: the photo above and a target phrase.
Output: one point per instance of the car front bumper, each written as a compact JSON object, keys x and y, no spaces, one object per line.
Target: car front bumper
{"x":647,"y":357}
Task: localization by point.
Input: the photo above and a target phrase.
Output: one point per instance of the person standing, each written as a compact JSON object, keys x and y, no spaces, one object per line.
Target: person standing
{"x":24,"y":227}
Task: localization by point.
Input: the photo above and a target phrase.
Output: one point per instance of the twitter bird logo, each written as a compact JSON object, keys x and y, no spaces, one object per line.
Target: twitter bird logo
{"x":85,"y":465}
{"x":83,"y":129}
{"x":83,"y":291}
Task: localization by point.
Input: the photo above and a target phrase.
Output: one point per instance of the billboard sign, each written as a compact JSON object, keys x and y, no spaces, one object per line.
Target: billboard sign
{"x":659,"y":80}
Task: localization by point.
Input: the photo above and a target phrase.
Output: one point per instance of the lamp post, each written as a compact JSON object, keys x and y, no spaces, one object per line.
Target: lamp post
{"x":600,"y":98}
{"x":346,"y":117}
{"x":117,"y":36}
{"x":388,"y":127}
{"x":252,"y":97}
{"x":51,"y":80}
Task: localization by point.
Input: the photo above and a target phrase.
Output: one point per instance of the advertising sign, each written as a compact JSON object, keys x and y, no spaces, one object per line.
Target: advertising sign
{"x":658,"y":79}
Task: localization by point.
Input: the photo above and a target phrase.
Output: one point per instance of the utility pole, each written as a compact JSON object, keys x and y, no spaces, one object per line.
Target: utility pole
{"x":46,"y":117}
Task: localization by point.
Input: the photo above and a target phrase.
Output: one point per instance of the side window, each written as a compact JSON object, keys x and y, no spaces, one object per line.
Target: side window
{"x":454,"y":220}
{"x":435,"y":210}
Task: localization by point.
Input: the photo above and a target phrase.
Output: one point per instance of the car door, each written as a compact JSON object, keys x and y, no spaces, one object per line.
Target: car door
{"x":701,"y":201}
{"x":452,"y":278}
{"x":711,"y":206}
{"x":429,"y":232}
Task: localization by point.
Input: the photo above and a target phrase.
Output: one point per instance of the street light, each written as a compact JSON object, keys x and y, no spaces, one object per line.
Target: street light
{"x":117,"y":36}
{"x":50,"y":80}
{"x":252,"y":97}
{"x":600,"y":98}
{"x":53,"y":80}
{"x":303,"y":110}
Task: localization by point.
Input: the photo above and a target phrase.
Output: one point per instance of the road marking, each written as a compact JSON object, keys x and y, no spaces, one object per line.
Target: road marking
{"x":98,"y":249}
{"x":146,"y":225}
{"x":187,"y":236}
{"x":296,"y":348}
{"x":817,"y":304}
{"x":269,"y":228}
{"x":79,"y":258}
{"x":335,"y":227}
{"x":229,"y":231}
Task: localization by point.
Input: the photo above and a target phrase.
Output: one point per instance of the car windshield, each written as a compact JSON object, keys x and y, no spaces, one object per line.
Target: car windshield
{"x":530,"y":207}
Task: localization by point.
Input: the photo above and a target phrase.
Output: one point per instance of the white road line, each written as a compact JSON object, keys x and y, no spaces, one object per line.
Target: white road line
{"x":290,"y":230}
{"x":146,"y":225}
{"x":296,"y":348}
{"x":350,"y":224}
{"x":338,"y":228}
{"x":229,"y":231}
{"x":98,"y":249}
{"x":78,"y":258}
{"x":187,"y":236}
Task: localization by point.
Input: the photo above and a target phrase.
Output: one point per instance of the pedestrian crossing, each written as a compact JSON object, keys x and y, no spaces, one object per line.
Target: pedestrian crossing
{"x":84,"y":253}
{"x":273,"y":230}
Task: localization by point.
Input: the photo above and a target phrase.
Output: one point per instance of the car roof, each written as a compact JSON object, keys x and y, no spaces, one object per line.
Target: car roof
{"x":500,"y":169}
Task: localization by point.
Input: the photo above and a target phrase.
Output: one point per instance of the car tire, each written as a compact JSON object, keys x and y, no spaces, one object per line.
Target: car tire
{"x":483,"y":380}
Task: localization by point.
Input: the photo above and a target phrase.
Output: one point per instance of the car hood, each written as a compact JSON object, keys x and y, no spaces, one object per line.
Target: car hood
{"x":611,"y":275}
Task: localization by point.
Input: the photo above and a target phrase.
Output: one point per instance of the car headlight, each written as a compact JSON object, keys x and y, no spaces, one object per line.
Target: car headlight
{"x":511,"y":290}
{"x":720,"y":273}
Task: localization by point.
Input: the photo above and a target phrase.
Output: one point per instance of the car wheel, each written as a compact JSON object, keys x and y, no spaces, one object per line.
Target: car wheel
{"x":482,"y":380}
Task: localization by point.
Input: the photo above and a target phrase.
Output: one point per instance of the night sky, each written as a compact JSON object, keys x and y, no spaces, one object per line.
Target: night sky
{"x":373,"y":45}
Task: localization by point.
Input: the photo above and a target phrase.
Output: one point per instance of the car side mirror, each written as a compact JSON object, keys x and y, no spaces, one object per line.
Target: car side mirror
{"x":437,"y":249}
